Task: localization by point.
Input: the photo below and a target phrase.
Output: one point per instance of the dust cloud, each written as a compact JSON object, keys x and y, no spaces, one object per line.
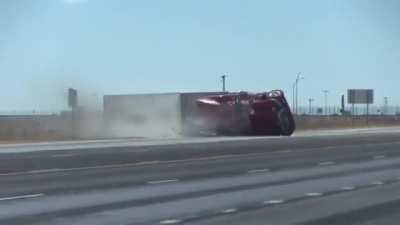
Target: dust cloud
{"x":111,"y":116}
{"x":146,"y":115}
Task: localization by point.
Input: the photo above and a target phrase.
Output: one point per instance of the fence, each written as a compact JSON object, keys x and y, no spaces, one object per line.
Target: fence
{"x":313,"y":122}
{"x":349,"y":110}
{"x":51,"y":126}
{"x":34,"y":127}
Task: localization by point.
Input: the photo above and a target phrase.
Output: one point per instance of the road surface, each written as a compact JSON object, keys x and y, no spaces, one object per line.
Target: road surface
{"x":330,"y":178}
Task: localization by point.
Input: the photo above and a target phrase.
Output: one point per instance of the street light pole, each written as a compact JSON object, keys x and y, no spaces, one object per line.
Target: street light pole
{"x":385,"y":106}
{"x":294,"y":97}
{"x":295,"y":91}
{"x":310,"y":100}
{"x":223,"y":77}
{"x":326,"y":101}
{"x":298,"y":78}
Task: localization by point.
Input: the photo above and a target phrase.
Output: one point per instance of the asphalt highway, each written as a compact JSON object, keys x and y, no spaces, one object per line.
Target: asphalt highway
{"x":334,"y":178}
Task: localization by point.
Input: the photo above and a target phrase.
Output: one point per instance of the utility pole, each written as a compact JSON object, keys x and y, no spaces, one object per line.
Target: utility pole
{"x":326,"y":101}
{"x":223,"y":77}
{"x":294,"y":98}
{"x":310,"y":100}
{"x":73,"y":104}
{"x":342,"y":108}
{"x":385,"y":106}
{"x":296,"y":92}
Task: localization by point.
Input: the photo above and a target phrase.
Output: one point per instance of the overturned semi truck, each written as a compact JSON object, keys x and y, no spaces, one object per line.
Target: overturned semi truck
{"x":198,"y":113}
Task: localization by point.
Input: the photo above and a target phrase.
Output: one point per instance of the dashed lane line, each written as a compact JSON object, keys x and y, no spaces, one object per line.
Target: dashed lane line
{"x":378,"y":183}
{"x":379,"y":157}
{"x":314,"y":194}
{"x":274,"y":202}
{"x":163,"y":181}
{"x":174,"y":221}
{"x":327,"y":163}
{"x":259,"y":171}
{"x":21,"y":197}
{"x":229,"y":211}
{"x":348,"y":188}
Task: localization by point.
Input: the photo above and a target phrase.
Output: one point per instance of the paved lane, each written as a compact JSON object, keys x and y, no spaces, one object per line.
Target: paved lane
{"x":373,"y":206}
{"x":86,"y":158}
{"x":195,"y":200}
{"x":55,"y":180}
{"x":328,"y":181}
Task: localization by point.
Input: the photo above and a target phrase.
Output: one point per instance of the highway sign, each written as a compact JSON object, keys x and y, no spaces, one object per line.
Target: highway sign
{"x":72,"y":98}
{"x":360,"y":96}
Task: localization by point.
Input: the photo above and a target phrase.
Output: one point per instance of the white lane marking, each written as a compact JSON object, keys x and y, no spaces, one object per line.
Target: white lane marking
{"x":259,"y":171}
{"x":348,"y":188}
{"x":32,"y":172}
{"x":170,"y":221}
{"x":314,"y":194}
{"x":45,"y":171}
{"x":63,"y":155}
{"x":273,"y":202}
{"x":328,"y":163}
{"x":81,"y":168}
{"x":285,"y":151}
{"x":163,"y":181}
{"x":228,"y":211}
{"x":379,"y":157}
{"x":21,"y":197}
{"x":378,"y":183}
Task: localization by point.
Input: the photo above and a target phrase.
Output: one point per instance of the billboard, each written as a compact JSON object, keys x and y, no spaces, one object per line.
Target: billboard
{"x":360,"y":96}
{"x":72,"y":98}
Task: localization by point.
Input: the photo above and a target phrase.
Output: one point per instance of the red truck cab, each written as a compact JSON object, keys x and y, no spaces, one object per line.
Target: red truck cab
{"x":265,"y":113}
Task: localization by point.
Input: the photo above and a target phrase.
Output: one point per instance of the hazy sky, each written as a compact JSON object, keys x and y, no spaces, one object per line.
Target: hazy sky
{"x":129,"y":46}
